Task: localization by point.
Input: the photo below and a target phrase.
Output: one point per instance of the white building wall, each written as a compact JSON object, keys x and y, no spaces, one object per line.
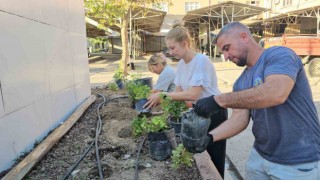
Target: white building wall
{"x":277,"y":6}
{"x":44,"y":72}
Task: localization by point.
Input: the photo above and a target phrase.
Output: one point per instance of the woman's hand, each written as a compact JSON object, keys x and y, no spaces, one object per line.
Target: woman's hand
{"x":153,"y":100}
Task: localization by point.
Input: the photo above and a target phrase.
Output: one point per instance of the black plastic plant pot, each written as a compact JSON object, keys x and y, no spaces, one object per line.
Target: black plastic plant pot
{"x":190,"y":143}
{"x":139,"y":106}
{"x":119,"y":83}
{"x":175,"y":124}
{"x":159,"y":146}
{"x":133,"y":105}
{"x":145,"y":81}
{"x":194,"y":129}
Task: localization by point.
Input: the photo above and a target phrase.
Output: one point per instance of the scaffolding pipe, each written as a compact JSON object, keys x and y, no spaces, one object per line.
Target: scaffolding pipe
{"x":222,"y":24}
{"x":130,"y":35}
{"x":318,"y":22}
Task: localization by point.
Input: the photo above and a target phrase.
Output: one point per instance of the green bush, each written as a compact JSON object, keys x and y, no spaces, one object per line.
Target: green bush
{"x":113,"y":86}
{"x":172,"y":107}
{"x":180,"y":156}
{"x":137,"y":91}
{"x":118,"y":74}
{"x":139,"y":125}
{"x":157,"y":124}
{"x":142,"y":125}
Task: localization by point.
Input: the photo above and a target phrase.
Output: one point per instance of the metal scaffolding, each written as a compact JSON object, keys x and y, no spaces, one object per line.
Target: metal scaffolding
{"x":215,"y":16}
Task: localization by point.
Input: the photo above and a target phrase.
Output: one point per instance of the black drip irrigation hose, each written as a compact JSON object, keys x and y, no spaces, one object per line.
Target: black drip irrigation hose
{"x":95,"y":142}
{"x":136,"y":173}
{"x":71,"y":169}
{"x":99,"y":124}
{"x":97,"y":148}
{"x":104,"y":98}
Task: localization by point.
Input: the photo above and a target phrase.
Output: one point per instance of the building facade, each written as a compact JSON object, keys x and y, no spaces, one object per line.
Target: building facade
{"x":44,"y":74}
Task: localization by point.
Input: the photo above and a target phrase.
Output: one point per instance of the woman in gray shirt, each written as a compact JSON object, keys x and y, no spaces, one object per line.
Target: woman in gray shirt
{"x":157,"y":64}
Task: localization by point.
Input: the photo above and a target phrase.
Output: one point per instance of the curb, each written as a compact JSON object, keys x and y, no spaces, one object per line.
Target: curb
{"x":206,"y":167}
{"x":94,"y":59}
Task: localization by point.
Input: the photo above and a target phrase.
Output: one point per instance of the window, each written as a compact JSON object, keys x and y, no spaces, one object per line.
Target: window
{"x":287,"y":2}
{"x":189,"y":6}
{"x":254,"y":3}
{"x":160,"y":6}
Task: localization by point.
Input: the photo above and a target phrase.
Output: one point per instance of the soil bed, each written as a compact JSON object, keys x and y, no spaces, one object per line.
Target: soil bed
{"x":118,"y":148}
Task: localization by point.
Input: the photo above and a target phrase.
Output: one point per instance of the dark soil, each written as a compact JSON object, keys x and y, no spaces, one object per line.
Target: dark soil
{"x":117,"y":148}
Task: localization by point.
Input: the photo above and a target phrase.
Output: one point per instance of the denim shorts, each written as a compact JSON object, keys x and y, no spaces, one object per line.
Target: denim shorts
{"x":258,"y":168}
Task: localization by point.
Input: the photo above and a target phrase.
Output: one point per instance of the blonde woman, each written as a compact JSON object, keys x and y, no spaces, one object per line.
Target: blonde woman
{"x":195,"y":79}
{"x":157,"y":64}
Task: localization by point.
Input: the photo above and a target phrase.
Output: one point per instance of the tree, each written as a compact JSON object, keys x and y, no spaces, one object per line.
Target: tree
{"x":117,"y":13}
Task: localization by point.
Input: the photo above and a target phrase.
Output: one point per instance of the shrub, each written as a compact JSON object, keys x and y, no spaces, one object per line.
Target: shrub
{"x":142,"y":125}
{"x":139,"y":125}
{"x":180,"y":156}
{"x":118,"y":74}
{"x":157,"y":124}
{"x":113,"y":86}
{"x":137,"y":91}
{"x":172,"y":107}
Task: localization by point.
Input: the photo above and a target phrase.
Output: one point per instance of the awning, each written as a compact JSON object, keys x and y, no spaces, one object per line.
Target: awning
{"x":93,"y":30}
{"x":294,"y":17}
{"x":148,"y":19}
{"x":221,"y":13}
{"x":145,"y":19}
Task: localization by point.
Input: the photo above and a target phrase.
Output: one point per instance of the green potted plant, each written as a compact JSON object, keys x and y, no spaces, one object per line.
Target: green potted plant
{"x":141,"y":91}
{"x":118,"y":77}
{"x":138,"y":93}
{"x":112,"y":86}
{"x":180,"y":156}
{"x":139,"y":125}
{"x":160,"y":145}
{"x":175,"y":110}
{"x":142,"y":125}
{"x":137,"y":78}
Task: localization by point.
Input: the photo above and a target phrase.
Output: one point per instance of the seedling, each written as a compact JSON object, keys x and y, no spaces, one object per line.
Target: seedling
{"x":139,"y":125}
{"x":157,"y":124}
{"x":172,"y":107}
{"x":118,"y":74}
{"x":113,"y":86}
{"x":137,"y":91}
{"x":180,"y":156}
{"x":142,"y":125}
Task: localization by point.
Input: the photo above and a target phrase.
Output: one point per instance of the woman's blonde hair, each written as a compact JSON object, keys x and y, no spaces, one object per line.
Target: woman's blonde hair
{"x":157,"y":59}
{"x":179,"y":33}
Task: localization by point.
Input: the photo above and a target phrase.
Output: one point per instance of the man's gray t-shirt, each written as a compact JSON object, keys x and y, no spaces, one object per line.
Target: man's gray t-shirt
{"x":288,"y":133}
{"x":165,"y":81}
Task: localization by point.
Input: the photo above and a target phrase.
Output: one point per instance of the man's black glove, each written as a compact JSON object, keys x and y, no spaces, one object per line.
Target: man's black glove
{"x":206,"y":107}
{"x":202,"y":147}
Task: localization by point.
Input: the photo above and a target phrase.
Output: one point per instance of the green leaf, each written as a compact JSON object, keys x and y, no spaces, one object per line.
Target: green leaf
{"x":139,"y":125}
{"x":137,"y":91}
{"x":172,"y":107}
{"x":180,"y":156}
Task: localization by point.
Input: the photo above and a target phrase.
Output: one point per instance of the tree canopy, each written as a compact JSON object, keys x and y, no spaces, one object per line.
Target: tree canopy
{"x":116,"y":13}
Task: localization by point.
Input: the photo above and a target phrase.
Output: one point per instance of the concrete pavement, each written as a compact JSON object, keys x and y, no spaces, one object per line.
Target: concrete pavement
{"x":238,"y":147}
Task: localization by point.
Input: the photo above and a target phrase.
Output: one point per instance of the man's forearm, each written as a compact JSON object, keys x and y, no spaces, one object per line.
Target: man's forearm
{"x":274,"y":91}
{"x":238,"y":121}
{"x":247,"y":99}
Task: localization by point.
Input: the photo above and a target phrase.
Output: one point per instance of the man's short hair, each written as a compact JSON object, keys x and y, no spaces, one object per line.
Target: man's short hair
{"x":229,"y":27}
